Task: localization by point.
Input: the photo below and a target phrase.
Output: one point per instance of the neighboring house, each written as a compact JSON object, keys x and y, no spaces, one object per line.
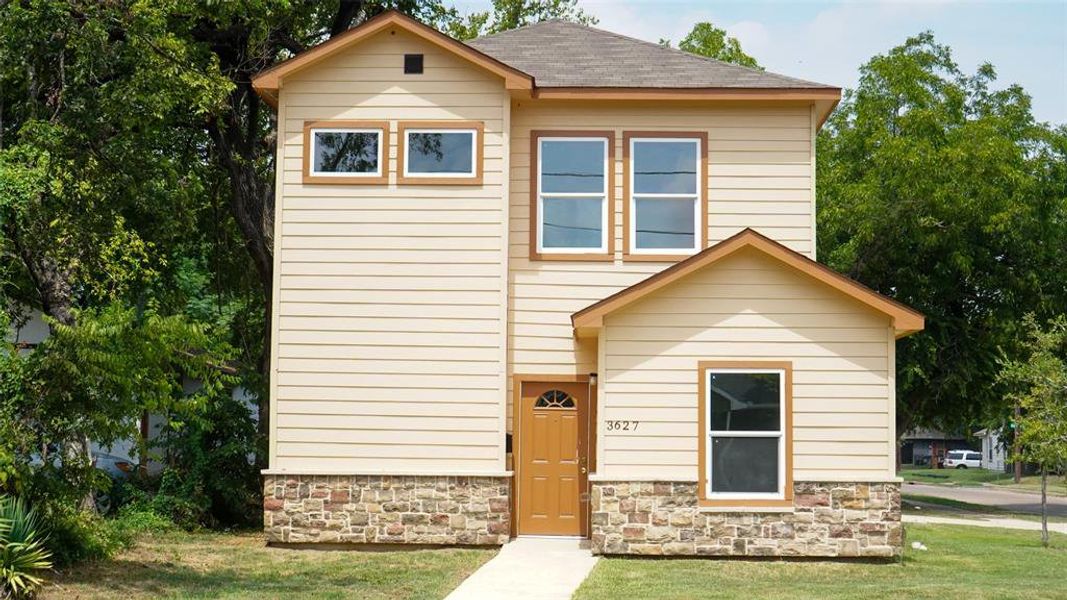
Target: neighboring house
{"x":597,"y":248}
{"x":994,"y":451}
{"x":922,"y":446}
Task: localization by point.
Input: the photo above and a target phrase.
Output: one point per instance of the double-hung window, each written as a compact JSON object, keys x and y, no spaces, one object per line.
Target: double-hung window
{"x":666,"y":194}
{"x":572,"y":195}
{"x":746,"y":433}
{"x":440,"y":152}
{"x":345,"y":152}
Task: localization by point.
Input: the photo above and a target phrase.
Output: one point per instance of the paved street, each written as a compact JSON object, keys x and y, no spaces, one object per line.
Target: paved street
{"x":1004,"y":499}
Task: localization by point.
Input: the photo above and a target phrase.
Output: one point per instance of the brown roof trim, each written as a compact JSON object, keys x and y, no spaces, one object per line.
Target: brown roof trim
{"x":906,"y":320}
{"x":267,"y":81}
{"x":682,"y":93}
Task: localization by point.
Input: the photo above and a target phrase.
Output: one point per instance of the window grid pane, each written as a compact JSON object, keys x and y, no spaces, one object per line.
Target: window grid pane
{"x":664,"y":223}
{"x":572,"y":222}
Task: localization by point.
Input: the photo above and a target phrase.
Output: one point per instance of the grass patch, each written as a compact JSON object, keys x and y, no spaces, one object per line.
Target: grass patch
{"x":933,"y":506}
{"x":964,"y":477}
{"x":219,"y":565}
{"x":1057,"y":485}
{"x":962,"y":562}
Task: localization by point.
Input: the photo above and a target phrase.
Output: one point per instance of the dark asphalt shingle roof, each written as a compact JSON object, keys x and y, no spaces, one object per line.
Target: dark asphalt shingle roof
{"x":564,"y":54}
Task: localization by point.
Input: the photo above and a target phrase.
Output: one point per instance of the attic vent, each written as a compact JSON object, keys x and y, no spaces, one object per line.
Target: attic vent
{"x":412,"y":64}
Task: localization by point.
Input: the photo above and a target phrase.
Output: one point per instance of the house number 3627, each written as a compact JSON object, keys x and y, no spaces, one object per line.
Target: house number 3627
{"x":623,"y":425}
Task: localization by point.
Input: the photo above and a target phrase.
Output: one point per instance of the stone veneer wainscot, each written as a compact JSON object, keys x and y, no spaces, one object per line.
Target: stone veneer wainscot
{"x":828,"y":520}
{"x":377,"y":509}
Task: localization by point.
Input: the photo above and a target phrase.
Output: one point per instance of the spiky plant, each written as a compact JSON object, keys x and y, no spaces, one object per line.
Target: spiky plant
{"x":22,"y":551}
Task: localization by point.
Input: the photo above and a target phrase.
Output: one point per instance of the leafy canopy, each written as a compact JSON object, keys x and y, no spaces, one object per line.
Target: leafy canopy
{"x":938,"y":190}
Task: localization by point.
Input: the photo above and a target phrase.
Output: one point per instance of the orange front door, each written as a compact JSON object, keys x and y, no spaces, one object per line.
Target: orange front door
{"x":552,"y":458}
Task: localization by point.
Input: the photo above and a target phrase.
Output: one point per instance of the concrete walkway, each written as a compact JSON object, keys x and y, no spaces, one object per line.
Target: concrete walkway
{"x":986,"y":522}
{"x":529,"y":568}
{"x":1009,"y":500}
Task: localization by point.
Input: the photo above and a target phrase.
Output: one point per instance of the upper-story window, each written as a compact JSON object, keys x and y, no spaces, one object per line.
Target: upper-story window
{"x":572,"y":180}
{"x":345,"y":152}
{"x":440,"y":152}
{"x":666,"y":199}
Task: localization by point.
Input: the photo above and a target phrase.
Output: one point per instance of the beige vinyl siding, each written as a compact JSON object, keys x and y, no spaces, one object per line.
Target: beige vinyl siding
{"x":760,"y":175}
{"x":390,"y":300}
{"x":748,"y":307}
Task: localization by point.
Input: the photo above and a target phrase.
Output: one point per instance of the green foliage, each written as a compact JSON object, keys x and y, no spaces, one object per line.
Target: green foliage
{"x":1037,"y":382}
{"x":705,"y":39}
{"x":944,"y":193}
{"x":22,"y":549}
{"x":511,"y":14}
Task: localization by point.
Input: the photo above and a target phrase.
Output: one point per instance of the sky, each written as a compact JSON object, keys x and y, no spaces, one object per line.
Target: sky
{"x":1025,"y":40}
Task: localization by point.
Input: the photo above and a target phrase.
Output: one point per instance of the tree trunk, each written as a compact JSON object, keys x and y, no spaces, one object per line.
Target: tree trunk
{"x":1044,"y":506}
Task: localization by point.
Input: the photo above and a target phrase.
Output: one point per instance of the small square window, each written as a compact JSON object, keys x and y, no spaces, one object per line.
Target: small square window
{"x":347,"y":152}
{"x":413,"y":64}
{"x":440,"y":155}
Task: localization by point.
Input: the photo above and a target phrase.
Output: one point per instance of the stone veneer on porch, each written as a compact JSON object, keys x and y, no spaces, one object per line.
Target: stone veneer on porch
{"x":386,"y":509}
{"x":828,"y":520}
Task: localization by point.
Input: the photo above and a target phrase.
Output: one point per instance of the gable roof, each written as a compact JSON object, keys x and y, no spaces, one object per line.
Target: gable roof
{"x":268,"y":81}
{"x":559,"y":59}
{"x":563,"y":54}
{"x":906,"y":320}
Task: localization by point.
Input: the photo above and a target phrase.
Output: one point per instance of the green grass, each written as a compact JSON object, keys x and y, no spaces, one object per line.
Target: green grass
{"x":965,"y":477}
{"x":934,"y":506}
{"x":962,"y":562}
{"x":214,"y":565}
{"x":1057,"y":485}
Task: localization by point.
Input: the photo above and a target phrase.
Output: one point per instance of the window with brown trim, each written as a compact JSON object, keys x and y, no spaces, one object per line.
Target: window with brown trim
{"x":571,"y":195}
{"x":346,"y":152}
{"x":745,"y":433}
{"x":665,"y":200}
{"x":440,"y":152}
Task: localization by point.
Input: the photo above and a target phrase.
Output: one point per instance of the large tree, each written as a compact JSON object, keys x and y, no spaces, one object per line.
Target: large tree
{"x":944,"y":193}
{"x":140,"y":151}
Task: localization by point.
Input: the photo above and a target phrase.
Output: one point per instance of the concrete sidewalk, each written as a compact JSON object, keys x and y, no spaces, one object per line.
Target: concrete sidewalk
{"x":529,"y":568}
{"x":986,"y":522}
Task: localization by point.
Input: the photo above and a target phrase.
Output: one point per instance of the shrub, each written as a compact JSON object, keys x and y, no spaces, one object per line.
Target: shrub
{"x":22,"y":551}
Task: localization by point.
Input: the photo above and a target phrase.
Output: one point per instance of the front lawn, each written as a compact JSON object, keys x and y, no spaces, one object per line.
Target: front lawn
{"x":961,"y":562}
{"x":1057,"y":485}
{"x":213,"y":565}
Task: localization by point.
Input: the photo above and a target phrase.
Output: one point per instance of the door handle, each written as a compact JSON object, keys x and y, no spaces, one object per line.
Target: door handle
{"x":583,"y":470}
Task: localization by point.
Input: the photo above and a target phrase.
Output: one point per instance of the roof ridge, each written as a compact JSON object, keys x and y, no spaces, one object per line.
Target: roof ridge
{"x":696,"y":56}
{"x":676,"y":51}
{"x":519,"y":28}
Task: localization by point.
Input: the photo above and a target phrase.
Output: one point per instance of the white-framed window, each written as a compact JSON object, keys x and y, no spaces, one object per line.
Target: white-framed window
{"x":665,"y":195}
{"x":448,"y":153}
{"x":746,"y":420}
{"x":345,"y":152}
{"x":572,"y":195}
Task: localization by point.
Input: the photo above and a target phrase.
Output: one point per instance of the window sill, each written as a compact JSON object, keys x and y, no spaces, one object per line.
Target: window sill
{"x":342,"y":180}
{"x":656,"y":257}
{"x":572,"y":257}
{"x":409,"y":180}
{"x":747,"y":509}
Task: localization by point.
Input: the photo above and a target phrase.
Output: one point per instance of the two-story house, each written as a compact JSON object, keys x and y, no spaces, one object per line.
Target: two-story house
{"x":558,"y":281}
